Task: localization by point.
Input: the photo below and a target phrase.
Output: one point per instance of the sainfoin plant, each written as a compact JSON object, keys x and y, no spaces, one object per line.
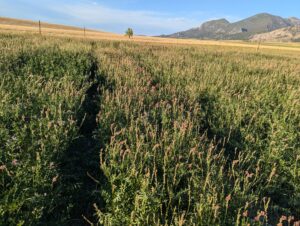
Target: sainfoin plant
{"x":122,"y":133}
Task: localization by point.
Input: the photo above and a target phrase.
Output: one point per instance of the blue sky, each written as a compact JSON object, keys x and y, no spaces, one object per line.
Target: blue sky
{"x":152,"y":17}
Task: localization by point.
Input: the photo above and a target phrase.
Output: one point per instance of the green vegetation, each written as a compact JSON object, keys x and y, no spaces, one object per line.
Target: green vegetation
{"x":296,"y":40}
{"x":119,"y":133}
{"x":129,"y":32}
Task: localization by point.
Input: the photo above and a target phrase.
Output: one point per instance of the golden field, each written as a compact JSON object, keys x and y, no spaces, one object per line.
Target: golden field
{"x":26,"y":26}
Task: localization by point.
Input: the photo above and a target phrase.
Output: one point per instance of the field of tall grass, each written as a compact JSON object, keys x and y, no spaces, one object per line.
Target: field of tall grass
{"x":122,"y":133}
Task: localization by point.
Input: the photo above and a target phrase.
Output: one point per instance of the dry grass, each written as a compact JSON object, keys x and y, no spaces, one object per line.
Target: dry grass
{"x":26,"y":26}
{"x":34,"y":24}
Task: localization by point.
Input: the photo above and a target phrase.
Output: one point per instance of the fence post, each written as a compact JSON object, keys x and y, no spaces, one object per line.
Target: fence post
{"x":84,"y":31}
{"x":40,"y":28}
{"x":258,"y":45}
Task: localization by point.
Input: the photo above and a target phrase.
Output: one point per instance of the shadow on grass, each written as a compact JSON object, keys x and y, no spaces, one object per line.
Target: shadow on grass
{"x":80,"y":173}
{"x":211,"y":123}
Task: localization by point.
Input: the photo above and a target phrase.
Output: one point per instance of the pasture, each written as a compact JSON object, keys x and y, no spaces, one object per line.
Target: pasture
{"x":97,"y":130}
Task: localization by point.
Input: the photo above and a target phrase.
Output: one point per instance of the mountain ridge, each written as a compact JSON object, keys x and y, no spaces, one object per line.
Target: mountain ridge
{"x":222,"y":29}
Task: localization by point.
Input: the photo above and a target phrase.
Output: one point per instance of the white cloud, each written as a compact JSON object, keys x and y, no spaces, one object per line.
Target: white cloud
{"x":146,"y":22}
{"x":94,"y":14}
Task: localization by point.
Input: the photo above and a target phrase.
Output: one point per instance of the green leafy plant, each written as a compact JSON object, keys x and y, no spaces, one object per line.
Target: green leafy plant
{"x":129,"y":32}
{"x":122,"y":133}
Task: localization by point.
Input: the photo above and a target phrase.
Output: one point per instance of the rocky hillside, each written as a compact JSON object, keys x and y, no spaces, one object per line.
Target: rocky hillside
{"x":244,"y":29}
{"x":283,"y":35}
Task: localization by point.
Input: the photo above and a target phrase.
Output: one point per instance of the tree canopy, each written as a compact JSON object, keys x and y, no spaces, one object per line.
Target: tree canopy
{"x":129,"y":32}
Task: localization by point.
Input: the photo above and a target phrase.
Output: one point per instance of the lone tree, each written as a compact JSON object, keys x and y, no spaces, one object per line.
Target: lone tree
{"x":129,"y":32}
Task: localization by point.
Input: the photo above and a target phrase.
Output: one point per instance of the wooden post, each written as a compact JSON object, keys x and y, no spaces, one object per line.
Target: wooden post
{"x":258,"y":45}
{"x":84,"y":31}
{"x":40,"y":28}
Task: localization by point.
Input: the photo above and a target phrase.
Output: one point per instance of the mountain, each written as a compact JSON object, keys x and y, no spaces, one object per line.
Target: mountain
{"x":244,"y":29}
{"x":287,"y":34}
{"x":294,"y":21}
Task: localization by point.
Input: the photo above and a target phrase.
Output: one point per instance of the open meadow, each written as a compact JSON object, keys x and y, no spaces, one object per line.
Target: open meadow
{"x":155,"y":132}
{"x":17,"y":26}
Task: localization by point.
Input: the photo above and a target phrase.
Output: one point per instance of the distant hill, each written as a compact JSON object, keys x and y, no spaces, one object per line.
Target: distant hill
{"x":286,"y":34}
{"x":241,"y":30}
{"x":30,"y":23}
